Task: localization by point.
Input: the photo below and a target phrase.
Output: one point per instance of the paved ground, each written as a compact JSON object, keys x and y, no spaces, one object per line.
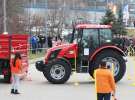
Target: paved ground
{"x":40,"y":89}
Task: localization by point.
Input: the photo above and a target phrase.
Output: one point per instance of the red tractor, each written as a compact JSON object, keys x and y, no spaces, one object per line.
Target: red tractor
{"x":89,"y":45}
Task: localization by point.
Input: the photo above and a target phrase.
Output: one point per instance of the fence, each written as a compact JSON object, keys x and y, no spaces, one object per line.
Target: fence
{"x":130,"y":50}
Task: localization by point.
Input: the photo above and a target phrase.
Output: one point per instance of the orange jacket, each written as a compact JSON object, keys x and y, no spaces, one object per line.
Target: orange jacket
{"x":104,"y":81}
{"x":17,"y":68}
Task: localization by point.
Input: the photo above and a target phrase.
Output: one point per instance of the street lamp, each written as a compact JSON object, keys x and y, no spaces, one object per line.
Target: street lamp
{"x":5,"y":17}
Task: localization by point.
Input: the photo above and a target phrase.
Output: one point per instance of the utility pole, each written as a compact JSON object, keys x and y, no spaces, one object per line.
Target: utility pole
{"x":95,"y":11}
{"x":34,"y":2}
{"x":46,"y":22}
{"x":5,"y":16}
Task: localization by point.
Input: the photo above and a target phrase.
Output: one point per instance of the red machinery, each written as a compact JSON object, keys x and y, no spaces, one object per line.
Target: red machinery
{"x":9,"y":45}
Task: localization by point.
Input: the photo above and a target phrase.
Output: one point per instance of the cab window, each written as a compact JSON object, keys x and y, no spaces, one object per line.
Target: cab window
{"x":105,"y":35}
{"x":90,"y":38}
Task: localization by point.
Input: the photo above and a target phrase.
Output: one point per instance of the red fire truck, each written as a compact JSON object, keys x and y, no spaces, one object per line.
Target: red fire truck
{"x":9,"y":45}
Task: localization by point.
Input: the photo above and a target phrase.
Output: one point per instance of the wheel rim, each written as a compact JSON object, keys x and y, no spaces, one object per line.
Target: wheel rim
{"x":112,"y":61}
{"x":57,"y":72}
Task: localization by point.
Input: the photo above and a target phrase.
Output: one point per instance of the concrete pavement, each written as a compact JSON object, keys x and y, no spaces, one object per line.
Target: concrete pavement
{"x":40,"y":89}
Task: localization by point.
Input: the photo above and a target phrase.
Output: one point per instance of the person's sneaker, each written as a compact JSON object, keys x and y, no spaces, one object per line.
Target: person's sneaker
{"x":16,"y":92}
{"x":12,"y":91}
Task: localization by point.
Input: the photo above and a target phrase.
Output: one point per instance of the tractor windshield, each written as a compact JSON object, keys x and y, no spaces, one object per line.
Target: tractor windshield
{"x":105,"y":35}
{"x":97,"y":36}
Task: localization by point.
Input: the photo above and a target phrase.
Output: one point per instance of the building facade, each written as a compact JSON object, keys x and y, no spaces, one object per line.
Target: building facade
{"x":92,"y":10}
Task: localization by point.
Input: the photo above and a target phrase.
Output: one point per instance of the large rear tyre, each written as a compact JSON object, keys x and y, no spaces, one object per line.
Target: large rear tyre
{"x":110,"y":57}
{"x":57,"y":72}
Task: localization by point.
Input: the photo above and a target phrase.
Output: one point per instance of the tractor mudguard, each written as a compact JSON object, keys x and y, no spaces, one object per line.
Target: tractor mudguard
{"x":65,"y":60}
{"x":106,"y":48}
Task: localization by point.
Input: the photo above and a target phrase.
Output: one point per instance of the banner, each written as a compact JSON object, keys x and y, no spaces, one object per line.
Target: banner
{"x":126,"y":14}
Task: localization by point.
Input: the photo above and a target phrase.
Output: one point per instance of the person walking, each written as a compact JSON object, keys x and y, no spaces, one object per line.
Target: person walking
{"x":104,"y":82}
{"x":16,"y":69}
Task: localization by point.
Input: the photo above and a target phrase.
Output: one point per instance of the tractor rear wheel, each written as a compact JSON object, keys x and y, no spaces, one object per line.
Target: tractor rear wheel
{"x":110,"y":57}
{"x":57,"y":72}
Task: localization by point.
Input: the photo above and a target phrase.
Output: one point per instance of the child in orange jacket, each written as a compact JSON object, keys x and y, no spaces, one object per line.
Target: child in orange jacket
{"x":104,"y":82}
{"x":16,"y":69}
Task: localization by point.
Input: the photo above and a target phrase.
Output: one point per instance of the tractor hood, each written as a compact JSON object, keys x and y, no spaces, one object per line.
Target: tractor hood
{"x":61,"y":51}
{"x":63,"y":46}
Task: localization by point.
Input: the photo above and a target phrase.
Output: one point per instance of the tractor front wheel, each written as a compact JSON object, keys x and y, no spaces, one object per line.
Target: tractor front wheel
{"x":57,"y":72}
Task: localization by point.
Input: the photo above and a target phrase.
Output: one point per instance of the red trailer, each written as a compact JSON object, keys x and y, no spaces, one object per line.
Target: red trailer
{"x":9,"y":45}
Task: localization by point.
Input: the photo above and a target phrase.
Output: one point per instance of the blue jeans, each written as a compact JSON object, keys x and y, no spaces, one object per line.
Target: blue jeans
{"x":103,"y":96}
{"x":34,"y":48}
{"x":15,"y":81}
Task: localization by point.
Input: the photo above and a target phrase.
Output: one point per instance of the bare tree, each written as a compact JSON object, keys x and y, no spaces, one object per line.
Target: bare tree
{"x":14,"y":9}
{"x":56,"y":21}
{"x":57,"y":17}
{"x":18,"y":24}
{"x":38,"y":23}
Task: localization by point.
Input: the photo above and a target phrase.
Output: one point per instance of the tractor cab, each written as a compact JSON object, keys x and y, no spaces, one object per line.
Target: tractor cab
{"x":90,"y":37}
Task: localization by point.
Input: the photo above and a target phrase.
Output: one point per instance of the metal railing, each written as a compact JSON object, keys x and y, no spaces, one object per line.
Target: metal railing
{"x":130,"y":50}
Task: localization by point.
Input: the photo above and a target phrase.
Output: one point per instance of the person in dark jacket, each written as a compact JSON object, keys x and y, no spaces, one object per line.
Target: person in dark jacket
{"x":49,"y":38}
{"x":40,"y":46}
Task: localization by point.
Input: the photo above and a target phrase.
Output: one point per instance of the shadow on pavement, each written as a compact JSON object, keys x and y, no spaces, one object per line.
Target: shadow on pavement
{"x":2,"y":81}
{"x":68,"y":83}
